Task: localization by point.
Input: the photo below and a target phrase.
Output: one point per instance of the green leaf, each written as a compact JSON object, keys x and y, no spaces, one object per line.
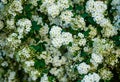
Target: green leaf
{"x":51,"y":78}
{"x":45,"y":71}
{"x":70,"y":44}
{"x":27,"y":7}
{"x":84,"y":15}
{"x":35,"y":26}
{"x":83,"y":54}
{"x":90,"y":43}
{"x":87,"y":60}
{"x":63,"y":49}
{"x":78,"y":7}
{"x":39,"y":63}
{"x":78,"y":80}
{"x":86,"y":33}
{"x":39,"y":2}
{"x":39,"y":48}
{"x":70,"y":8}
{"x":91,"y":21}
{"x":19,"y":16}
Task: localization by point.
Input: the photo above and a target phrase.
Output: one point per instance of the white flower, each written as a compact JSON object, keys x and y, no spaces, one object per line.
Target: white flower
{"x":34,"y":2}
{"x":10,"y":24}
{"x":13,"y":41}
{"x":80,"y":35}
{"x":105,"y":74}
{"x":91,"y":78}
{"x":55,"y":32}
{"x":44,"y":30}
{"x":67,"y":38}
{"x":26,"y":23}
{"x":63,"y":4}
{"x":57,"y":61}
{"x":12,"y":75}
{"x":16,"y":6}
{"x":82,"y":42}
{"x":57,"y":42}
{"x":44,"y":78}
{"x":4,"y":1}
{"x":25,"y":52}
{"x":115,"y":2}
{"x":4,"y":64}
{"x":53,"y":10}
{"x":97,"y":9}
{"x":66,"y":16}
{"x":29,"y":63}
{"x":83,"y":68}
{"x":34,"y":74}
{"x":24,"y":26}
{"x":57,"y":71}
{"x":1,"y":24}
{"x":49,"y":1}
{"x":96,"y":58}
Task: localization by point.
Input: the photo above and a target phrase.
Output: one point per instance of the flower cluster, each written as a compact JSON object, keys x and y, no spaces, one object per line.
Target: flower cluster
{"x":59,"y":40}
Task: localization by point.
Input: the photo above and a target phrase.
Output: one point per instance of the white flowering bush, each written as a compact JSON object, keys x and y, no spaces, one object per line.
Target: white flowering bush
{"x":59,"y":40}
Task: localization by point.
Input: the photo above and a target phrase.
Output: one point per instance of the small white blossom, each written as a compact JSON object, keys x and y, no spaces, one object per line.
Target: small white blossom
{"x":96,"y":58}
{"x":44,"y":78}
{"x":83,"y":68}
{"x":91,"y":78}
{"x":53,"y":10}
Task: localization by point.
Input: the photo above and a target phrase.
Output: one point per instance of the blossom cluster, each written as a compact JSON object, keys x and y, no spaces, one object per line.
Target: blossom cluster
{"x":59,"y":40}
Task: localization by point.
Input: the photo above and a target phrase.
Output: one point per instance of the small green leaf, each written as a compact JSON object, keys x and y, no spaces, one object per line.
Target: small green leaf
{"x":85,"y":15}
{"x":39,"y":63}
{"x":70,"y":44}
{"x":78,"y":80}
{"x":39,"y":48}
{"x":91,"y":21}
{"x":35,"y":26}
{"x":90,"y":43}
{"x":70,"y":8}
{"x":86,"y":33}
{"x":27,"y":7}
{"x":87,"y":60}
{"x":39,"y":2}
{"x":51,"y":78}
{"x":78,"y":7}
{"x":83,"y":54}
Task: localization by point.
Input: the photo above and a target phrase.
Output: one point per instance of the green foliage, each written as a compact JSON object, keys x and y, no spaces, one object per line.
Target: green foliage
{"x":116,"y":39}
{"x":27,"y":7}
{"x":39,"y":48}
{"x":39,"y":2}
{"x":63,"y":49}
{"x":78,"y":7}
{"x":39,"y":64}
{"x":27,"y":10}
{"x":78,"y":80}
{"x":70,"y":8}
{"x":45,"y":71}
{"x":51,"y":78}
{"x":70,"y":44}
{"x":90,"y":43}
{"x":73,"y":32}
{"x":83,"y":54}
{"x":91,"y":21}
{"x":84,"y":15}
{"x":26,"y":13}
{"x":86,"y":56}
{"x":100,"y":66}
{"x":105,"y":80}
{"x":35,"y":26}
{"x":86,"y":33}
